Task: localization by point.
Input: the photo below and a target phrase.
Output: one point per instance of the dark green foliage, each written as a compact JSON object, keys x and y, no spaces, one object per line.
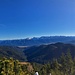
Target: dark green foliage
{"x":64,"y":66}
{"x":11,"y":51}
{"x":40,"y":54}
{"x":46,"y":53}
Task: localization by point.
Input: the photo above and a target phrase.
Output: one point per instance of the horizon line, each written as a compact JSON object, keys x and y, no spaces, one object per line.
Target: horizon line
{"x":37,"y":37}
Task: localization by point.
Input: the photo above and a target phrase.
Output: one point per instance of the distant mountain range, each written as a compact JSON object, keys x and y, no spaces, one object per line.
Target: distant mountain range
{"x":39,"y":40}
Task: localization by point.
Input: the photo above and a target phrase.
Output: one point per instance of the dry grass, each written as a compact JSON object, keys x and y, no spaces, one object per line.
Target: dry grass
{"x":29,"y":66}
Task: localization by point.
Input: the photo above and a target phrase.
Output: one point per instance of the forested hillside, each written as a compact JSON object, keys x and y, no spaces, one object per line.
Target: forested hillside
{"x":65,"y":65}
{"x":57,"y":59}
{"x":45,"y":53}
{"x":40,"y":54}
{"x":11,"y":51}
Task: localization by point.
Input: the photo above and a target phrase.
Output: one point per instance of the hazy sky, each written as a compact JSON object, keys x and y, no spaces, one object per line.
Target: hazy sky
{"x":28,"y":18}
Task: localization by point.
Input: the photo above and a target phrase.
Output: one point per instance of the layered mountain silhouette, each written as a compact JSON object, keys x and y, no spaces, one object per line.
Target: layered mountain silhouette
{"x":38,"y":41}
{"x":39,"y":54}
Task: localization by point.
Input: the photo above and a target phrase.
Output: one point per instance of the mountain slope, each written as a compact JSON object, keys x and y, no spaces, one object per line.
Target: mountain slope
{"x":15,"y":52}
{"x":40,"y":54}
{"x":45,"y":53}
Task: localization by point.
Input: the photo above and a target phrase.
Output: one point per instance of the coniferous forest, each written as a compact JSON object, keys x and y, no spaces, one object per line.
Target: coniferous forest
{"x":54,"y":59}
{"x":65,"y":65}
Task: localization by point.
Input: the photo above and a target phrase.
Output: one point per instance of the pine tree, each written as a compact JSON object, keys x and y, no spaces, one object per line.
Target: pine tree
{"x":69,"y":62}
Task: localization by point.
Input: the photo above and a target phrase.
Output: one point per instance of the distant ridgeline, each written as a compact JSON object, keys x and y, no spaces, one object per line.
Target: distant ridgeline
{"x":39,"y":41}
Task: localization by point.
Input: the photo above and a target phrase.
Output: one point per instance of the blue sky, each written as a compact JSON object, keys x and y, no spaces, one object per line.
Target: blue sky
{"x":28,"y":18}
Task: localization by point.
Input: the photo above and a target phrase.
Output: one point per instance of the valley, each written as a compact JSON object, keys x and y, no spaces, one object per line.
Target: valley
{"x":50,"y":58}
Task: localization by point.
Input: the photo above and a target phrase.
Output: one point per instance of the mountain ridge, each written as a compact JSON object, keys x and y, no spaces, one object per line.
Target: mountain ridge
{"x":46,"y":53}
{"x":38,"y":41}
{"x":39,"y":54}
